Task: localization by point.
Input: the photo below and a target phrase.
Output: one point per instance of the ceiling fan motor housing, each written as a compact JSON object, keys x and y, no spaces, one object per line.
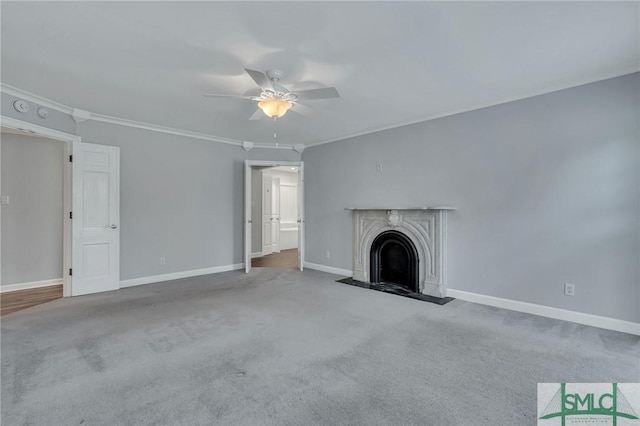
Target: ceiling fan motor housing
{"x":274,"y":75}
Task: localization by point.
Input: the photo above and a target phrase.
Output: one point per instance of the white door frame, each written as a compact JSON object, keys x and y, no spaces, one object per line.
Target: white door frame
{"x":248,"y":164}
{"x":69,"y":139}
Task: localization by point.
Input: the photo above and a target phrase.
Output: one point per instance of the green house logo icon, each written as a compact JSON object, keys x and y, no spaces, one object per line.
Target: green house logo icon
{"x":613,"y":405}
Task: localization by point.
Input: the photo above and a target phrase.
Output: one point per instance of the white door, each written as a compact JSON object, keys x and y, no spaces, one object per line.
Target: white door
{"x":95,"y":250}
{"x":301,"y":216}
{"x":267,"y":216}
{"x":247,"y":217}
{"x":275,"y":213}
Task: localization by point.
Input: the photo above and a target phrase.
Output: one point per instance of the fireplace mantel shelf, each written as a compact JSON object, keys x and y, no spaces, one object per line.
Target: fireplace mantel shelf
{"x":401,"y":208}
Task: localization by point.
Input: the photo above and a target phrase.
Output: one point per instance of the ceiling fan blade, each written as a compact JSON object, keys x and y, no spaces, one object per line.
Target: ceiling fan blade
{"x":324,"y":93}
{"x":214,"y":95}
{"x":257,"y":115}
{"x":260,"y":78}
{"x":302,"y":110}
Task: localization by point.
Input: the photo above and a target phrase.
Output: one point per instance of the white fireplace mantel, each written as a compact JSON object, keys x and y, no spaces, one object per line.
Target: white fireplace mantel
{"x":426,"y":227}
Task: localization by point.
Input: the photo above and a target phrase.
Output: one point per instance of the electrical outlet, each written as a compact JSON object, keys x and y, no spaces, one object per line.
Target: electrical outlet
{"x":379,"y":168}
{"x":327,"y":254}
{"x":569,"y":289}
{"x":163,"y":260}
{"x":5,"y":200}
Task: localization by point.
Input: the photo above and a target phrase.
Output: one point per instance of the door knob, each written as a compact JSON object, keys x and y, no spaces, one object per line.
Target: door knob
{"x":112,"y":226}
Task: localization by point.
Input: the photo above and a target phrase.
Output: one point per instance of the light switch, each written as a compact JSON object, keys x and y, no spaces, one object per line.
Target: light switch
{"x":4,"y":200}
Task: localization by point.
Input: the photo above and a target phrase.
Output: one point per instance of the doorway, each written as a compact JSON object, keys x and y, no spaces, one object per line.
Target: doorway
{"x":274,"y":213}
{"x":274,"y":219}
{"x":12,"y":125}
{"x":32,"y":170}
{"x":91,"y":185}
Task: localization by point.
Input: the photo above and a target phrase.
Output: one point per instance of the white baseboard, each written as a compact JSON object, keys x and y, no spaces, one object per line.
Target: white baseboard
{"x":178,"y":275}
{"x":34,"y":284}
{"x":256,"y":254}
{"x":329,"y":269}
{"x":549,"y":312}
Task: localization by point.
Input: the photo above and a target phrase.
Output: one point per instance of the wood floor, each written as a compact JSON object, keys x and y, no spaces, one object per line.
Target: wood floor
{"x":285,"y":259}
{"x":21,"y":299}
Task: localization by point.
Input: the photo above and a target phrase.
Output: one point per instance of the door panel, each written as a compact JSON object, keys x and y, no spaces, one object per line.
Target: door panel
{"x":267,"y":217}
{"x":96,"y":190}
{"x":96,"y":258}
{"x":96,"y":216}
{"x":275,"y":214}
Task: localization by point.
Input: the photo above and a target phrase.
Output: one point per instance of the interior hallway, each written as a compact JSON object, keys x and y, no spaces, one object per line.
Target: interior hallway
{"x":284,"y":259}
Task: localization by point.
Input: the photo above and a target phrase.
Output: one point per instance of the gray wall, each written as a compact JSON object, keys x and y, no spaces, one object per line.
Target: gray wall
{"x":31,"y":175}
{"x":180,"y":198}
{"x":547,"y":191}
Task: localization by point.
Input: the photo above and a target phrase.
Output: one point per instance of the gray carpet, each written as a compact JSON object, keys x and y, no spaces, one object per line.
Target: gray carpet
{"x":281,"y":347}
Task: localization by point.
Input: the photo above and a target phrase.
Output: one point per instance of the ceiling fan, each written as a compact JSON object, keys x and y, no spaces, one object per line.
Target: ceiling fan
{"x":275,"y":100}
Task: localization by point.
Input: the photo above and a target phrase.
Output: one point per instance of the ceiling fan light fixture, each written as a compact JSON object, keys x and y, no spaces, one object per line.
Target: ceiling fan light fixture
{"x":274,"y":107}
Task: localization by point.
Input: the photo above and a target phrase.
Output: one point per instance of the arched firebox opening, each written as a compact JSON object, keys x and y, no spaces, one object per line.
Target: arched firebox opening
{"x":394,"y":259}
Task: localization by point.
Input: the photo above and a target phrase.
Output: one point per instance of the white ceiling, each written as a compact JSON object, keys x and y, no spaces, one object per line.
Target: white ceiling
{"x":393,"y":63}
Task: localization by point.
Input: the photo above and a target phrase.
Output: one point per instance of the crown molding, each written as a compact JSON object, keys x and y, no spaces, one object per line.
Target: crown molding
{"x":161,"y":129}
{"x":272,"y":146}
{"x":80,"y":116}
{"x":554,"y":88}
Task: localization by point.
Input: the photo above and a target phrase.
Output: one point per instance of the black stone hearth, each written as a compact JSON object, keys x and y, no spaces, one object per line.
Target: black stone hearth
{"x":394,"y":260}
{"x":397,"y":290}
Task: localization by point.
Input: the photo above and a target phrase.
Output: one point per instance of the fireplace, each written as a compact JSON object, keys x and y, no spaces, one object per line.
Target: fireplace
{"x":406,"y":247}
{"x":394,"y":259}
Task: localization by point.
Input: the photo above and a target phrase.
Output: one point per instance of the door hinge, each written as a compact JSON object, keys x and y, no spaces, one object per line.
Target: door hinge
{"x":70,"y":272}
{"x":71,"y":158}
{"x":70,"y":215}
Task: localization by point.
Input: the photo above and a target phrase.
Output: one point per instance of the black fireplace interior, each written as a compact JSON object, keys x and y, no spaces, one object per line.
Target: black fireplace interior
{"x":394,"y":259}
